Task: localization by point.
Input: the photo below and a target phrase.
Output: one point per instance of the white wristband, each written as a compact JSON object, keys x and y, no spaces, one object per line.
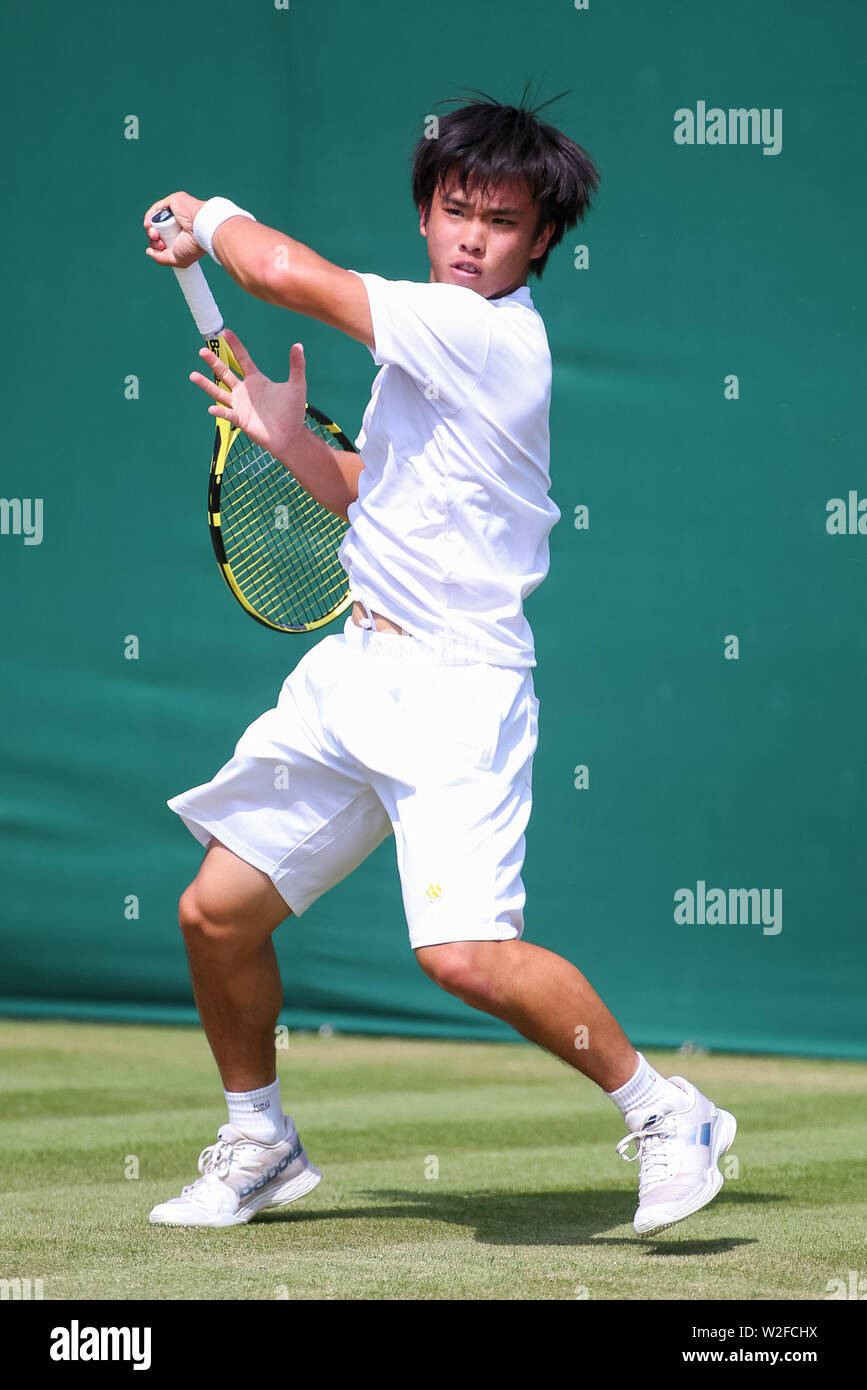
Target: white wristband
{"x":210,"y":216}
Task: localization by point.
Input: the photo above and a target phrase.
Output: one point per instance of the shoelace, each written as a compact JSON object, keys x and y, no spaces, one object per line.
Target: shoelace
{"x":214,"y":1161}
{"x":651,"y":1146}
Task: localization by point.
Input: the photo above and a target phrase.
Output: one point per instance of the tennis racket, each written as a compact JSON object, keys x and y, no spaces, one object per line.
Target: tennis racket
{"x":276,"y":546}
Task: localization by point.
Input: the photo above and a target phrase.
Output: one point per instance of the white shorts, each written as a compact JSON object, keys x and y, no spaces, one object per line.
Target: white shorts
{"x":373,"y":735}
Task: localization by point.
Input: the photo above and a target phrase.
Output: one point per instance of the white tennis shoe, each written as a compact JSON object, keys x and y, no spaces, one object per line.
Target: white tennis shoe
{"x":679,"y":1153}
{"x":241,"y":1176}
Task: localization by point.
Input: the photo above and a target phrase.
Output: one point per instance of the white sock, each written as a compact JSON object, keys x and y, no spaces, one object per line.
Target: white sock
{"x":257,"y":1113}
{"x":644,"y":1093}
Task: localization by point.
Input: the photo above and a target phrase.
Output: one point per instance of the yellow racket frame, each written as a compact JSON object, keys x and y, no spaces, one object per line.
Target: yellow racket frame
{"x":224,"y":439}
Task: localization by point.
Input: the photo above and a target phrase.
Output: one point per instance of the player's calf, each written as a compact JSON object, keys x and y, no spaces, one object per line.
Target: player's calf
{"x":227,"y":916}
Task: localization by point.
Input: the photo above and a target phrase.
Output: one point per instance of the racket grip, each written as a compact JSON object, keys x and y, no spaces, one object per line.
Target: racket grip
{"x":196,"y":291}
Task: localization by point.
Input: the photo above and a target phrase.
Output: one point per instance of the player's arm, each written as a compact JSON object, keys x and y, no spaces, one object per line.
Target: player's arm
{"x":329,"y":475}
{"x":271,"y":266}
{"x":284,"y":272}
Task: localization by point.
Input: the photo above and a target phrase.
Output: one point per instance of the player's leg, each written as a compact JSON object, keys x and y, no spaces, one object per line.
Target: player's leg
{"x":283,"y":820}
{"x":460,"y":843}
{"x":227,"y":916}
{"x":542,"y":996}
{"x":679,"y":1134}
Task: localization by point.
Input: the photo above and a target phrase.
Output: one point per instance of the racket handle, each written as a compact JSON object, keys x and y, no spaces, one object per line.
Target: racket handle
{"x":196,"y":291}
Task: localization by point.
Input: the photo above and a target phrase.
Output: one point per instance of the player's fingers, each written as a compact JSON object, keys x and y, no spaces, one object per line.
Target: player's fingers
{"x":297,"y":368}
{"x":160,"y":203}
{"x":155,"y":207}
{"x":216,"y":392}
{"x":245,"y":361}
{"x":221,"y":369}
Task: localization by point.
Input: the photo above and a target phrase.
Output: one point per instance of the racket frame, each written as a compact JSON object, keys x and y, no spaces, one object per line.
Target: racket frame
{"x":209,"y":321}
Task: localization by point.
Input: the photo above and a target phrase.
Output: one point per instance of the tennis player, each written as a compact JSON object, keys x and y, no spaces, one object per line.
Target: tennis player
{"x":419,"y":719}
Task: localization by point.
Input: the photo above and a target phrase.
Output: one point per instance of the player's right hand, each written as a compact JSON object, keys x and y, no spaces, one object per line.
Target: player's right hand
{"x":184,"y":250}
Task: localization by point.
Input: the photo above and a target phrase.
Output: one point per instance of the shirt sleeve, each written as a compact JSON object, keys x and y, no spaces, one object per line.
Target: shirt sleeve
{"x":440,"y":335}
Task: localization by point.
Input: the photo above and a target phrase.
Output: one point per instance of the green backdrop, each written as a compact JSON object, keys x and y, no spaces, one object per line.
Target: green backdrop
{"x":708,"y":357}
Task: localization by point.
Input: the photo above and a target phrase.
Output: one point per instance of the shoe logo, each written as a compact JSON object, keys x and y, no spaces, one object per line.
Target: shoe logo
{"x":271,"y":1173}
{"x":434,"y":892}
{"x":693,"y":1136}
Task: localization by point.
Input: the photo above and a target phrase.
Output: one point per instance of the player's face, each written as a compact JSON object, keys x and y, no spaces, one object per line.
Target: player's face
{"x":495,"y":235}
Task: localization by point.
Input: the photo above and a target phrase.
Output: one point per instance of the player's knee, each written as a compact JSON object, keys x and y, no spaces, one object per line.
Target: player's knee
{"x":197,"y":919}
{"x":460,"y":968}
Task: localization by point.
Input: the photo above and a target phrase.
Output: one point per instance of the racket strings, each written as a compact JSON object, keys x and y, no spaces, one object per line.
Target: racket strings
{"x":280,"y":543}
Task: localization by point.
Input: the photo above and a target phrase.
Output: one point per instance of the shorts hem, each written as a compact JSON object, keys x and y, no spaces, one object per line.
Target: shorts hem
{"x":204,"y":830}
{"x":448,"y":940}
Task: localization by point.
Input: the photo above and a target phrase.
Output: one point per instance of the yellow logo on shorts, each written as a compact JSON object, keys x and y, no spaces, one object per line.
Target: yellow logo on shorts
{"x":433,"y":892}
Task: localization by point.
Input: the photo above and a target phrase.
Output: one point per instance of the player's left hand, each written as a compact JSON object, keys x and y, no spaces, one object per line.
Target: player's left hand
{"x":271,"y":413}
{"x":185,"y":250}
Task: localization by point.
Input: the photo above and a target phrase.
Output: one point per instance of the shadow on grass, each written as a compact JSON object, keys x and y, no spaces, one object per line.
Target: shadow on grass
{"x":530,"y":1218}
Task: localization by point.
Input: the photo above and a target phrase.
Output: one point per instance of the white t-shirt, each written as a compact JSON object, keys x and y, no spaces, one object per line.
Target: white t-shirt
{"x":450,"y":530}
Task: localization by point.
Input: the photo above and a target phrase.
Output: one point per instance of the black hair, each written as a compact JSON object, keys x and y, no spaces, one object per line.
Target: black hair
{"x":485,"y":142}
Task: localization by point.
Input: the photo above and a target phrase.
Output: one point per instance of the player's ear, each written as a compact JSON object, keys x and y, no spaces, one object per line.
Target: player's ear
{"x":542,"y":240}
